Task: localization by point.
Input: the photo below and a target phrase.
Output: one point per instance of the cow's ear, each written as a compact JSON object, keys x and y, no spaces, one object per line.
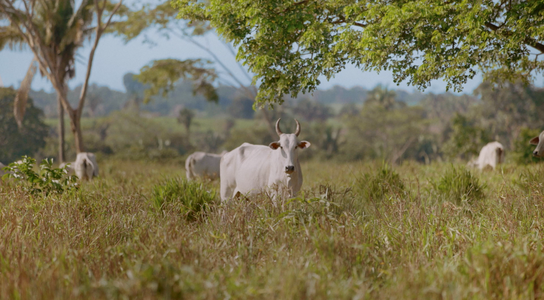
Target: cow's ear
{"x":274,"y":145}
{"x":304,"y":144}
{"x":534,"y":141}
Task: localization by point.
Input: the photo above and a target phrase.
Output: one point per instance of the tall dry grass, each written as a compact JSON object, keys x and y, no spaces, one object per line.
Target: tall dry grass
{"x":332,"y":242}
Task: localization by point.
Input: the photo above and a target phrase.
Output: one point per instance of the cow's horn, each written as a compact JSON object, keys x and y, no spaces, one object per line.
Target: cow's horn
{"x":297,"y":132}
{"x":278,"y":130}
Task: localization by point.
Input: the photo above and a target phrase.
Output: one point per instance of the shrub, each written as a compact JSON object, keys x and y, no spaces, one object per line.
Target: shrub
{"x":48,"y":180}
{"x":380,"y":184}
{"x":523,"y":150}
{"x":459,"y":184}
{"x":192,"y":196}
{"x":14,"y":141}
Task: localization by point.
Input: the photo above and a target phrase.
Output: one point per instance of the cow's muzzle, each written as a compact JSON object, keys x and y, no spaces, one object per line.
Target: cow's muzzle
{"x":535,"y":153}
{"x":289,"y":169}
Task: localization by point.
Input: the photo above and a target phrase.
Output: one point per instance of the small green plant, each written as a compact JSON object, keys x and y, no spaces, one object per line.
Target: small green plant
{"x":48,"y":180}
{"x":380,"y":184}
{"x":192,"y":196}
{"x":459,"y":184}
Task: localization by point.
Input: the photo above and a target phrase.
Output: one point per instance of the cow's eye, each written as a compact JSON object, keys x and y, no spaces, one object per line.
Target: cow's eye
{"x":281,"y":147}
{"x":296,"y":147}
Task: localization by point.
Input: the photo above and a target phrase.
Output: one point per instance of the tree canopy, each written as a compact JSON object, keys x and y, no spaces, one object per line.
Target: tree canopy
{"x":288,"y":45}
{"x":27,"y":140}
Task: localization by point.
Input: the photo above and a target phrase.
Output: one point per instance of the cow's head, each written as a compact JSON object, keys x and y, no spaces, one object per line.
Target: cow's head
{"x":288,"y":145}
{"x":539,"y":142}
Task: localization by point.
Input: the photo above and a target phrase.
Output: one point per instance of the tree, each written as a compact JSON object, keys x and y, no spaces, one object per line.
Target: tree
{"x":388,"y":131}
{"x":185,"y":117}
{"x":288,"y":45}
{"x":54,"y":30}
{"x":466,"y":138}
{"x":311,"y":110}
{"x":161,"y":75}
{"x":26,"y":140}
{"x":383,"y":97}
{"x":508,"y":107}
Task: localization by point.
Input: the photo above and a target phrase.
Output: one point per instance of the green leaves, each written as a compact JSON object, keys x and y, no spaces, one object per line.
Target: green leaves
{"x":162,"y":75}
{"x":289,"y":45}
{"x":47,"y":181}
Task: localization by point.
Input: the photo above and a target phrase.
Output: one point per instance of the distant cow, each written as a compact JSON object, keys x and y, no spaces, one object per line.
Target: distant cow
{"x":491,"y":154}
{"x":538,"y":141}
{"x":253,"y":168}
{"x":202,"y":164}
{"x":85,"y":166}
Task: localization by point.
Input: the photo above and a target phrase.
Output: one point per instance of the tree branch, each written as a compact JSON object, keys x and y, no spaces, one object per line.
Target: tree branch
{"x":529,"y":41}
{"x":99,"y":31}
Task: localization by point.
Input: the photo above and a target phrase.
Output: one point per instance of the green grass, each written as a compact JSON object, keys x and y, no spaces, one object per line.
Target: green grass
{"x":111,"y":241}
{"x":199,"y":124}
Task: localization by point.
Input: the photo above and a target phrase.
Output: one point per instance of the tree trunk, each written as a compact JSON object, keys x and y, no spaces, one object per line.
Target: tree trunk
{"x":62,"y":155}
{"x":75,"y":124}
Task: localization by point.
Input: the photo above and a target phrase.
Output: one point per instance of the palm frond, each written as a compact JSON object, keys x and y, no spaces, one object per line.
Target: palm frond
{"x":21,"y":98}
{"x":10,"y":37}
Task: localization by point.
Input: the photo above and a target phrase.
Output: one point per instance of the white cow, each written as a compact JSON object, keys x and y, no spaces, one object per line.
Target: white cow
{"x":250,"y":169}
{"x":539,"y":142}
{"x":491,"y":154}
{"x":202,"y":164}
{"x":85,"y":166}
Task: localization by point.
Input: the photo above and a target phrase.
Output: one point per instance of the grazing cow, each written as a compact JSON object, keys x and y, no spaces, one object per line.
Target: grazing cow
{"x":253,"y":168}
{"x":202,"y":164}
{"x":491,"y":154}
{"x":85,"y":166}
{"x":538,"y":141}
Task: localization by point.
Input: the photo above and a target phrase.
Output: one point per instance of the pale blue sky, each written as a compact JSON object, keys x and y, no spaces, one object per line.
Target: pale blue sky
{"x":114,"y":58}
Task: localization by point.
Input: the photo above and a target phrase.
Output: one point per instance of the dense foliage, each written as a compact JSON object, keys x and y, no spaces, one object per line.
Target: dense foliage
{"x":48,"y":180}
{"x":15,"y":142}
{"x":289,"y":45}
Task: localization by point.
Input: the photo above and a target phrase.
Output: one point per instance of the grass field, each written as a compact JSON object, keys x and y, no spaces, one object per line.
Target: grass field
{"x":357,"y":231}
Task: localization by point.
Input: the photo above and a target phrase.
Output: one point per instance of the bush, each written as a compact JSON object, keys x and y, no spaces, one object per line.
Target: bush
{"x":459,"y":184}
{"x":27,"y":140}
{"x":192,"y":196}
{"x":48,"y":180}
{"x":381,"y":184}
{"x":523,"y":150}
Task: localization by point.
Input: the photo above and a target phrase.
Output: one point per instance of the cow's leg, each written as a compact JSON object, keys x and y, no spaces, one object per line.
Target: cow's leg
{"x":227,"y":191}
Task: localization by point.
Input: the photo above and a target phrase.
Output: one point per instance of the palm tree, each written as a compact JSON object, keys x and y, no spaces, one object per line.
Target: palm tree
{"x":54,"y":31}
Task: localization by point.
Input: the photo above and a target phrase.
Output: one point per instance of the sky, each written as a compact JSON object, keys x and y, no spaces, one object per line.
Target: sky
{"x":114,"y":58}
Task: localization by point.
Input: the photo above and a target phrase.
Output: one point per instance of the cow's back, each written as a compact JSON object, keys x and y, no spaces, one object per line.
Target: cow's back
{"x":86,"y":166}
{"x":202,"y":164}
{"x":244,"y":169}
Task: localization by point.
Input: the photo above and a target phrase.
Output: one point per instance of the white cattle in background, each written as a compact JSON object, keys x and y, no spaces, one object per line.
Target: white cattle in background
{"x":202,"y":164}
{"x":491,"y":155}
{"x":250,"y":169}
{"x":85,"y":166}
